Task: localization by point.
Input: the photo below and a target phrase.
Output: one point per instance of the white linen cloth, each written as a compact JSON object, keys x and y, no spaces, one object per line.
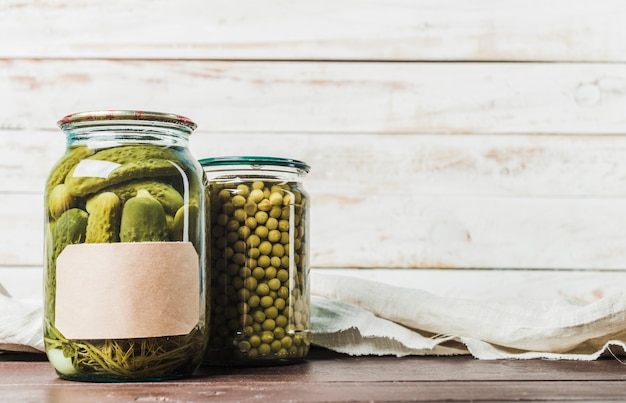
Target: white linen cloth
{"x":21,"y":324}
{"x":360,"y":316}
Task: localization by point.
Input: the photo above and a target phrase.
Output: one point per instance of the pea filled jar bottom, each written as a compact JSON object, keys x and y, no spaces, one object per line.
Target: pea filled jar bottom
{"x":263,"y":348}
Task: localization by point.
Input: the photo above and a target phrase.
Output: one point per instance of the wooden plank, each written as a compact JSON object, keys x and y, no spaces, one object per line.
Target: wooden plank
{"x":400,"y":230}
{"x":582,"y":30}
{"x":251,"y":391}
{"x":334,"y":377}
{"x":259,"y":97}
{"x":371,"y":164}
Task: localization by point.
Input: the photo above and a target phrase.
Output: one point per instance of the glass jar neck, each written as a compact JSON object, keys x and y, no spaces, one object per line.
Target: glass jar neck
{"x":114,"y":133}
{"x":264,"y":173}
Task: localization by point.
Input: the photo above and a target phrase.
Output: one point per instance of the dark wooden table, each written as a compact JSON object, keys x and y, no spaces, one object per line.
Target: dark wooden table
{"x":327,"y":376}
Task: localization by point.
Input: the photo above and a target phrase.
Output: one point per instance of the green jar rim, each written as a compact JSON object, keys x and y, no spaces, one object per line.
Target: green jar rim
{"x":114,"y":115}
{"x":254,"y":160}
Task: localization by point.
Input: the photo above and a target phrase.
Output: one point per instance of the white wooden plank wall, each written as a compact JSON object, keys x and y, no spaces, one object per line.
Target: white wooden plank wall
{"x":441,"y":133}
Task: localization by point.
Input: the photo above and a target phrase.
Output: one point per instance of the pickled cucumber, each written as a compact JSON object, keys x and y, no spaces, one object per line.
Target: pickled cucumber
{"x":103,"y":224}
{"x":134,"y":161}
{"x":70,"y":228}
{"x":163,"y":192}
{"x":65,"y":165}
{"x":143,"y":219}
{"x":59,"y":201}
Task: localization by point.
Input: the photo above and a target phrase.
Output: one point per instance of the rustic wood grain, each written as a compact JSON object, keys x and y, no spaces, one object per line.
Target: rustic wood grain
{"x":520,"y":30}
{"x":423,"y":200}
{"x":416,"y":231}
{"x":328,"y":376}
{"x":259,"y":97}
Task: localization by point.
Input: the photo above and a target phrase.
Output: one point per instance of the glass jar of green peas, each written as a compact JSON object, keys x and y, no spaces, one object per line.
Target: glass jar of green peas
{"x":259,"y":227}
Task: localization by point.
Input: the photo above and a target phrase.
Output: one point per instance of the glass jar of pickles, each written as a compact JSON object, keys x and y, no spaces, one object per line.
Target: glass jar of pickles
{"x":259,"y":228}
{"x":125,"y":281}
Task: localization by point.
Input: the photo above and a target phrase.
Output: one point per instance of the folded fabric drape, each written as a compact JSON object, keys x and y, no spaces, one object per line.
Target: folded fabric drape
{"x":360,"y":316}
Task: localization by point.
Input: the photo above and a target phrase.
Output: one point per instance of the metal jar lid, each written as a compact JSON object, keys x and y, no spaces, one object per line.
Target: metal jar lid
{"x":119,"y":115}
{"x":255,"y":162}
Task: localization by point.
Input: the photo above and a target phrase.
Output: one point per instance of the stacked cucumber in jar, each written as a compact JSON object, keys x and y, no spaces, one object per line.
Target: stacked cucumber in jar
{"x":259,"y":284}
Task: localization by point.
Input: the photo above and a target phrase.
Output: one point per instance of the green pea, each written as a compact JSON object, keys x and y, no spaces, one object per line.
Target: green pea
{"x":258,"y":185}
{"x":261,"y":231}
{"x":239,"y":246}
{"x":270,"y":273}
{"x":276,"y":346}
{"x":275,"y":212}
{"x":254,"y":340}
{"x":222,"y":219}
{"x":243,"y":190}
{"x":264,"y":349}
{"x":228,"y":208}
{"x":267,"y":301}
{"x":259,"y":317}
{"x":244,"y":295}
{"x":261,"y":217}
{"x":251,"y":222}
{"x":283,"y":292}
{"x":274,"y":284}
{"x":267,"y":336}
{"x":237,"y":283}
{"x":239,"y":258}
{"x":264,"y":205}
{"x":275,"y":198}
{"x":262,"y":289}
{"x":250,"y":283}
{"x":224,"y":195}
{"x":264,"y":260}
{"x":254,"y":301}
{"x":268,"y":324}
{"x":254,"y":253}
{"x":279,"y":332}
{"x":265,"y":247}
{"x":232,"y":237}
{"x":279,"y":303}
{"x":258,"y":273}
{"x":239,"y":215}
{"x":250,"y":208}
{"x":244,"y":272}
{"x":256,"y":195}
{"x":281,"y":321}
{"x":278,"y":250}
{"x":253,"y":241}
{"x":275,"y":261}
{"x":286,"y":341}
{"x":239,"y":201}
{"x":271,"y":223}
{"x":243,"y":232}
{"x":282,"y":275}
{"x":283,"y":225}
{"x":273,"y":236}
{"x":271,"y":312}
